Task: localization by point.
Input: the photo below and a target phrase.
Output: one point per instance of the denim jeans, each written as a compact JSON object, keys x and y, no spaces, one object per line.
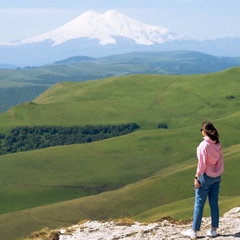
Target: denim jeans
{"x":209,"y":188}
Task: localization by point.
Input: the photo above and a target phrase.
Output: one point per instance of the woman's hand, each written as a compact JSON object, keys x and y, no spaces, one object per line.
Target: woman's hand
{"x":196,"y":184}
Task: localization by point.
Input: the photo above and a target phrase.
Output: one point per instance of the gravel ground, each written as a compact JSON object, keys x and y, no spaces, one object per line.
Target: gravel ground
{"x":167,"y":229}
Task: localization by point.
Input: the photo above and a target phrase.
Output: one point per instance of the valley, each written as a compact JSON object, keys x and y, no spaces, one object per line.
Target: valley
{"x":150,"y":171}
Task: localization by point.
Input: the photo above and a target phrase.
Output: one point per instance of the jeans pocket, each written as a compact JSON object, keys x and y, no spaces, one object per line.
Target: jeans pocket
{"x":202,"y":180}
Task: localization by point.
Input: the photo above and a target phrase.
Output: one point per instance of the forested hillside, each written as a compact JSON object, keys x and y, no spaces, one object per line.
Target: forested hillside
{"x":31,"y":138}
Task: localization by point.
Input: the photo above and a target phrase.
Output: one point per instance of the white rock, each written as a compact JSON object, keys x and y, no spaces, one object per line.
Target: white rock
{"x":95,"y":230}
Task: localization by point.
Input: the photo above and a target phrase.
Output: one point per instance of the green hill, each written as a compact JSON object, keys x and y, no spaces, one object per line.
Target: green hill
{"x":24,"y":84}
{"x":144,"y":175}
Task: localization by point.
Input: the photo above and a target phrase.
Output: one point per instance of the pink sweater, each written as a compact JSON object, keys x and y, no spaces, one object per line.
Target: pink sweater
{"x":210,"y":158}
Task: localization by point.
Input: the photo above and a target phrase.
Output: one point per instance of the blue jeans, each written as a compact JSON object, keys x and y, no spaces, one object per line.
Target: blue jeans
{"x":209,"y":188}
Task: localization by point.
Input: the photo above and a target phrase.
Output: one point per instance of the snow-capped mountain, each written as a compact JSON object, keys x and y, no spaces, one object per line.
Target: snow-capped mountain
{"x":105,"y":27}
{"x":96,"y":35}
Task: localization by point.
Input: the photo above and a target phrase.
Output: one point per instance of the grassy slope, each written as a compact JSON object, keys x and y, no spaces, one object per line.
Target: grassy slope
{"x":151,"y":162}
{"x":167,"y":192}
{"x":146,"y":99}
{"x":27,"y":83}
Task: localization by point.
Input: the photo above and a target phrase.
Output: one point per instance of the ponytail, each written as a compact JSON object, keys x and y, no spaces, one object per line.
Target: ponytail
{"x":211,"y":131}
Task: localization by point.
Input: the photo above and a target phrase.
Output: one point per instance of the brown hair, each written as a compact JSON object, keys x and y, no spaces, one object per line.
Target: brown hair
{"x":211,"y":131}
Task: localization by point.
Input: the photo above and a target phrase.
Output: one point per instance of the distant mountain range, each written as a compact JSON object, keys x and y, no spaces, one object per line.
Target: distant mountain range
{"x":97,"y":35}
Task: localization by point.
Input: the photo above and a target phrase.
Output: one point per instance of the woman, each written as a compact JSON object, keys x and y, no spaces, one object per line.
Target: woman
{"x":207,"y":179}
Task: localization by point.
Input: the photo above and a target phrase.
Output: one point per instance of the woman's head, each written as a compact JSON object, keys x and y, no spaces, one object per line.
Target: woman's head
{"x":210,"y":131}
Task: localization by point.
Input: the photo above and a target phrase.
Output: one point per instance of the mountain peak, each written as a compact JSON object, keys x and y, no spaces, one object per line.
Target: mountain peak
{"x":106,"y":27}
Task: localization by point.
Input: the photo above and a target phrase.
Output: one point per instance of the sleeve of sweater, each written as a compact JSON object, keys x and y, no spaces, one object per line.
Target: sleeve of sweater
{"x":202,"y":158}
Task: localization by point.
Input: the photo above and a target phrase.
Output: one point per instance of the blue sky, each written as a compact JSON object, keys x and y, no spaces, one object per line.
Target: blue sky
{"x":198,"y":19}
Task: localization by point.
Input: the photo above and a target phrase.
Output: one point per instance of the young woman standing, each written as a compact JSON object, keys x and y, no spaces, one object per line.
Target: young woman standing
{"x":207,"y":179}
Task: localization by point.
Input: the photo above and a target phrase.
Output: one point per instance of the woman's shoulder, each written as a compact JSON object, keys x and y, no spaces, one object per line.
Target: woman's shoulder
{"x":203,"y":144}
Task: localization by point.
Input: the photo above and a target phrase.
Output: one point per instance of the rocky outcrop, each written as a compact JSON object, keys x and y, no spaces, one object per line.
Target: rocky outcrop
{"x":166,"y":229}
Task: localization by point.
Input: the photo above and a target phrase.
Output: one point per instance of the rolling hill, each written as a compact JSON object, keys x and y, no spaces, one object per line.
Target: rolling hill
{"x":24,"y":84}
{"x":144,"y":175}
